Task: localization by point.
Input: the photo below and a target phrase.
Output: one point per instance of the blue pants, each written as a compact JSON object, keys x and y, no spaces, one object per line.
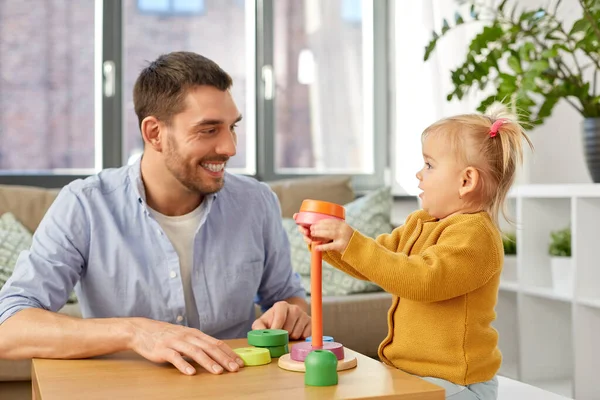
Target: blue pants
{"x":478,"y":391}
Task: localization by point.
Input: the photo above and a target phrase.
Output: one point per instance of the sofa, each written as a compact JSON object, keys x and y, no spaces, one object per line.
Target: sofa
{"x":359,"y":321}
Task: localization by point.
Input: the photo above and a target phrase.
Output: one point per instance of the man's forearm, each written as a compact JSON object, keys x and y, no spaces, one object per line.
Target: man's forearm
{"x":300,"y":302}
{"x":35,"y":333}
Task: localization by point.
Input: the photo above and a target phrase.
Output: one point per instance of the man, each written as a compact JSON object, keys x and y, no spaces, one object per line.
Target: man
{"x":167,"y":254}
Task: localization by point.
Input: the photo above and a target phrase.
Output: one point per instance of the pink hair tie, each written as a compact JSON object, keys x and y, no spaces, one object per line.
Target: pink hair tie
{"x":496,"y":126}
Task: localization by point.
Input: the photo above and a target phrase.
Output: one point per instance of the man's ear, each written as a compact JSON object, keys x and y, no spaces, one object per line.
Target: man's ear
{"x":152,"y":132}
{"x":469,"y":181}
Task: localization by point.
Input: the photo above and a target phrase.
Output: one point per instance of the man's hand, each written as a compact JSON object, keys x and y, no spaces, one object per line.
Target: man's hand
{"x":284,"y":315}
{"x":163,"y":342}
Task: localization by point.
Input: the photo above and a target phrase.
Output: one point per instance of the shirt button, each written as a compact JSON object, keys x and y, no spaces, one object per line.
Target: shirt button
{"x":179,"y":318}
{"x":173,"y":274}
{"x":159,"y":232}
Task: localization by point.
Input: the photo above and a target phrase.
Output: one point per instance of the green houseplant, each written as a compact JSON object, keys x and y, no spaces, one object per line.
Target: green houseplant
{"x":509,"y":269}
{"x":560,"y":243}
{"x":559,"y":250}
{"x":530,"y":58}
{"x":509,"y":242}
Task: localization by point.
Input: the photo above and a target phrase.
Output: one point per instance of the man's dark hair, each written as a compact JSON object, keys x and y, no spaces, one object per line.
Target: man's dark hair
{"x":161,"y":88}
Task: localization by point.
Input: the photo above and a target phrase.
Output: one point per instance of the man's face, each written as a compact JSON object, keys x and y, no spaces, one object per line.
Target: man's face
{"x":201,"y":139}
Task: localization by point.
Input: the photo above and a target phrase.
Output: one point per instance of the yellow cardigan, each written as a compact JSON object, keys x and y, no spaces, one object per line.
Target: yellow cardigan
{"x":447,"y":273}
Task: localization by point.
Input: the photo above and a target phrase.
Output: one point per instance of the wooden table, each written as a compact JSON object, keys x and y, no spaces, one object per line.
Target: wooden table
{"x":128,"y":376}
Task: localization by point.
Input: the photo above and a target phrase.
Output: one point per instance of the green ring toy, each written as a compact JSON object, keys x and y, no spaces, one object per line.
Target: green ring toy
{"x":277,"y":351}
{"x":268,"y":337}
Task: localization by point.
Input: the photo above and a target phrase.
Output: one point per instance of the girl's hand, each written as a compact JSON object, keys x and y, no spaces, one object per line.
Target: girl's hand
{"x":336,"y":233}
{"x":306,"y":233}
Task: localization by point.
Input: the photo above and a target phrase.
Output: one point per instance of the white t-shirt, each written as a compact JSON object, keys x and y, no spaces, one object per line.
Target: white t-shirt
{"x":181,"y":231}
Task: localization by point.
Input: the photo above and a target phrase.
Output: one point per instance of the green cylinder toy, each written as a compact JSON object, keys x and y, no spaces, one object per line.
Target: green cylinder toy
{"x":321,"y":368}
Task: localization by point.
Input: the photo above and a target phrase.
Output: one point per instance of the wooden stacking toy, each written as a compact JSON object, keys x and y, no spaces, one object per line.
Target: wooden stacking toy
{"x":253,"y":356}
{"x":312,"y":211}
{"x":274,"y":340}
{"x":321,"y":368}
{"x":325,"y":339}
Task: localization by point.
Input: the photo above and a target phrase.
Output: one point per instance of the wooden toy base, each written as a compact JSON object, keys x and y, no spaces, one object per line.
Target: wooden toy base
{"x":286,"y":362}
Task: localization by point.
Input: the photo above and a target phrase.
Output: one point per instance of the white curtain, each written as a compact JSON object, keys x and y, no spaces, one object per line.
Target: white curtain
{"x":420,"y":88}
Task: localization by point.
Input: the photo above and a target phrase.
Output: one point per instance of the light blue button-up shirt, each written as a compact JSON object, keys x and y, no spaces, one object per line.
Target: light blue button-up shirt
{"x":99,"y":238}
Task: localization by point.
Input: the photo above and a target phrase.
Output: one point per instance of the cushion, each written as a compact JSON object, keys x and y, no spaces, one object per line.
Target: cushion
{"x":291,"y":192}
{"x":27,"y":204}
{"x":370,"y":215}
{"x":14,"y":238}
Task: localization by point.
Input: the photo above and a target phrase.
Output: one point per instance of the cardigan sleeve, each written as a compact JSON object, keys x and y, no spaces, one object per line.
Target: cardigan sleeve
{"x":386,"y":240}
{"x":465,"y":257}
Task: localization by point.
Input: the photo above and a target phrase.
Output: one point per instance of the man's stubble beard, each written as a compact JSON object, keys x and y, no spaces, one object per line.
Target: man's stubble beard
{"x":183,"y":172}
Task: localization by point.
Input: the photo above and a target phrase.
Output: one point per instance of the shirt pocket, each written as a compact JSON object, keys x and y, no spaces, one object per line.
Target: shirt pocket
{"x":239,"y":287}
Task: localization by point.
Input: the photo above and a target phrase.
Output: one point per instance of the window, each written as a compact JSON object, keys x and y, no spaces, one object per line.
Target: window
{"x":322,"y":124}
{"x":47,"y":123}
{"x":320,"y":118}
{"x":352,"y":11}
{"x":220,"y":34}
{"x":171,"y":7}
{"x":310,"y":79}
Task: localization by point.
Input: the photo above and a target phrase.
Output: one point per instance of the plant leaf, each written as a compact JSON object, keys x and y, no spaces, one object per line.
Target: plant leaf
{"x":550,"y":53}
{"x":515,"y":64}
{"x":458,"y":19}
{"x":485,"y":103}
{"x":547,"y":106}
{"x":431,"y":45}
{"x":581,"y":25}
{"x":473,"y":12}
{"x":539,"y":66}
{"x":445,"y":26}
{"x":526,"y":51}
{"x":527,"y":16}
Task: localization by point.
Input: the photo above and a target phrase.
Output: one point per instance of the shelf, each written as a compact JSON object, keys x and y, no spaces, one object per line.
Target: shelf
{"x":589,"y":302}
{"x":537,"y":219}
{"x":509,"y":286}
{"x":562,"y":387}
{"x":546,"y":293}
{"x":547,"y":324}
{"x":556,"y":191}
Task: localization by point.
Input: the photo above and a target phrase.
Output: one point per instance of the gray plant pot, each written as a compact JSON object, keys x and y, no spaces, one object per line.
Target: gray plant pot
{"x":591,"y":146}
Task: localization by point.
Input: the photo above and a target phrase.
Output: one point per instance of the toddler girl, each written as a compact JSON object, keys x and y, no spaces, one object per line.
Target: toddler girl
{"x":443,"y":265}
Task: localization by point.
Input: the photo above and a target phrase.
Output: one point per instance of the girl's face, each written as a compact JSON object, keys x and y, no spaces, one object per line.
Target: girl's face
{"x":440,"y":179}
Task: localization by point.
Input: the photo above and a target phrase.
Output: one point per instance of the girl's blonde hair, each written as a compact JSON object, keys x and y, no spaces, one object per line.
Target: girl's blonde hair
{"x":495,"y":155}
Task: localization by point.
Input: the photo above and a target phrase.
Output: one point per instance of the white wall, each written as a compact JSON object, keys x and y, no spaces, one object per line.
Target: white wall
{"x":558,"y":155}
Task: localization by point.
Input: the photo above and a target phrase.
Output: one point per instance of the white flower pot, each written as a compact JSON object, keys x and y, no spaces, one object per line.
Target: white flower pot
{"x":509,"y":270}
{"x":562,"y":275}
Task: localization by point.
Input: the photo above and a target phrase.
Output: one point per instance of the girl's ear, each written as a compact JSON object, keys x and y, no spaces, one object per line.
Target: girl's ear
{"x":469,"y":181}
